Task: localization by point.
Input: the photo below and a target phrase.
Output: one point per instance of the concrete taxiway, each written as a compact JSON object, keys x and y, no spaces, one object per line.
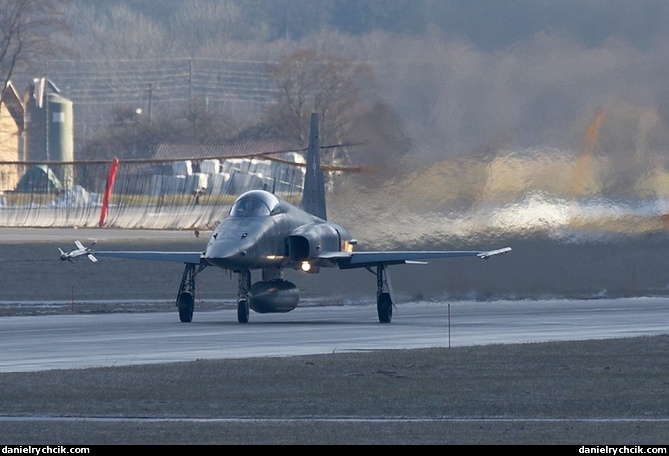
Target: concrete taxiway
{"x":82,"y":341}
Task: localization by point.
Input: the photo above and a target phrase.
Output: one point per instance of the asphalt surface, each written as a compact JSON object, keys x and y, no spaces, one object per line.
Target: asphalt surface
{"x":76,"y":340}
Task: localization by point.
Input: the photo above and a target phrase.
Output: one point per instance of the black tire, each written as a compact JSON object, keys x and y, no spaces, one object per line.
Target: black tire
{"x":243,"y":311}
{"x":384,"y":307}
{"x":186,"y":305}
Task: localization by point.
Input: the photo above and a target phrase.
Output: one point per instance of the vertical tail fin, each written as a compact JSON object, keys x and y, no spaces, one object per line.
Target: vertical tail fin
{"x":313,"y":196}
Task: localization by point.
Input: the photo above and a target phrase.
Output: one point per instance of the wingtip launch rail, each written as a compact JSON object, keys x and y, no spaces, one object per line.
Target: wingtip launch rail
{"x":78,"y":252}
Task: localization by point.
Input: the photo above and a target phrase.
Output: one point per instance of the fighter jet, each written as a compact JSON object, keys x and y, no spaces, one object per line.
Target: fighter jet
{"x":263,"y":232}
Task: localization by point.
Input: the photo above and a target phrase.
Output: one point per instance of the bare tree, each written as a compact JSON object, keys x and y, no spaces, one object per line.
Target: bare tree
{"x":130,"y":134}
{"x":27,"y":29}
{"x":115,"y":30}
{"x":308,"y":81}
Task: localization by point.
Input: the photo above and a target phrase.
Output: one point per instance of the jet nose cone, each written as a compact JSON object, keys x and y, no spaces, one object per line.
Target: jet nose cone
{"x":225,"y":254}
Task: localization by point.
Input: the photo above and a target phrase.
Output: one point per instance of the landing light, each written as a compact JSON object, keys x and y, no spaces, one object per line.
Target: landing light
{"x":306,"y":266}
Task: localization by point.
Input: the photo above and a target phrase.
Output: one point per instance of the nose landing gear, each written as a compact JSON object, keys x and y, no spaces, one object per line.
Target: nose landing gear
{"x":243,"y":296}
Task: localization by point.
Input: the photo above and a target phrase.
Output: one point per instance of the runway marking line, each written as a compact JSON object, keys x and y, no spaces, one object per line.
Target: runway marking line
{"x":36,"y":418}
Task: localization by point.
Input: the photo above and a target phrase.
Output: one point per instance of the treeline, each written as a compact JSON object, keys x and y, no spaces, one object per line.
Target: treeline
{"x":208,"y":21}
{"x":193,"y":27}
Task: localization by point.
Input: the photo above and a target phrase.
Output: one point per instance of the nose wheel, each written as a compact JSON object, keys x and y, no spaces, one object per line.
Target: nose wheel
{"x":243,"y":311}
{"x":243,"y":296}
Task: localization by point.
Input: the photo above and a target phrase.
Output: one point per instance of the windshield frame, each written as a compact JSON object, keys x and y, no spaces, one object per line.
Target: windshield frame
{"x":254,"y":204}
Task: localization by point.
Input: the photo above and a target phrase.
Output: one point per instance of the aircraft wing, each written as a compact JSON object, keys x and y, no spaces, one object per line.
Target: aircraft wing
{"x":177,"y":257}
{"x":365,"y":259}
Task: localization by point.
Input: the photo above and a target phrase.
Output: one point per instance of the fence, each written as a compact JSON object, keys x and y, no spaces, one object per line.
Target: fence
{"x":148,"y":194}
{"x":158,"y":86}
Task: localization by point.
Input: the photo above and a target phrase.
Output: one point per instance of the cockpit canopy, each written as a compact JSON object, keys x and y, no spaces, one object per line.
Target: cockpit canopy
{"x":255,"y":203}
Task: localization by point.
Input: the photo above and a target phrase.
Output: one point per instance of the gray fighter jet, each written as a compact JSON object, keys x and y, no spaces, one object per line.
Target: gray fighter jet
{"x":264,"y":232}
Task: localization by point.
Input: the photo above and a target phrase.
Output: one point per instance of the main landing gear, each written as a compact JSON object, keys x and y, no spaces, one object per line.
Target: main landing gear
{"x":186,"y":295}
{"x":384,"y":302}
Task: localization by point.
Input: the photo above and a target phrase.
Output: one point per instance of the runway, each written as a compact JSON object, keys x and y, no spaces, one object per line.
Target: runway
{"x":81,"y":341}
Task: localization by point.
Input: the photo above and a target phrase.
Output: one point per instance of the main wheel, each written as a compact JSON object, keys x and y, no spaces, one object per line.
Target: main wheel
{"x":186,"y":305}
{"x":243,"y":311}
{"x":384,"y":307}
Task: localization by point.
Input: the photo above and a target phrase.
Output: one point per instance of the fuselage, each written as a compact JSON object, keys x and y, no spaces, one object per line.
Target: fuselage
{"x":264,"y":231}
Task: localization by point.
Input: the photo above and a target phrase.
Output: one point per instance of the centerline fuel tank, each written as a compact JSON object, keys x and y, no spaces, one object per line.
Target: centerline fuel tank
{"x":274,"y":296}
